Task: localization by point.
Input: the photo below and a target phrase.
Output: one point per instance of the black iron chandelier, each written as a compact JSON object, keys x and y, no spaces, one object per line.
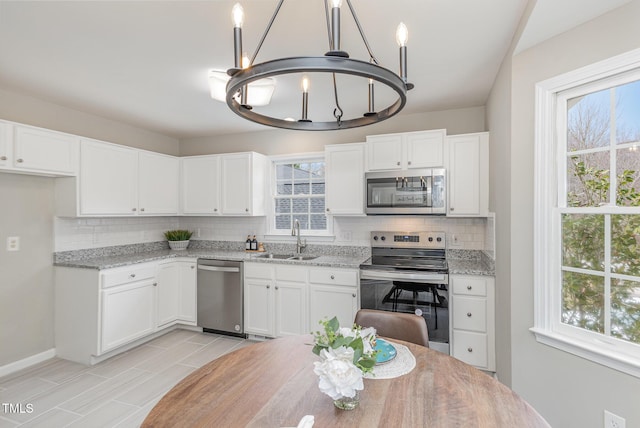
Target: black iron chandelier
{"x":334,"y":62}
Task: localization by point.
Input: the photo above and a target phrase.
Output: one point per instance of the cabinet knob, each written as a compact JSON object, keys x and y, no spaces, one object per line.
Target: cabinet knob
{"x":398,"y":163}
{"x":276,"y":287}
{"x":469,"y":314}
{"x":469,"y":349}
{"x":193,"y":267}
{"x":18,"y":160}
{"x":451,"y":209}
{"x":155,"y":284}
{"x":469,"y":287}
{"x":333,"y":277}
{"x":134,"y":209}
{"x":133,"y":275}
{"x":141,"y":209}
{"x":215,"y":210}
{"x":268,"y":286}
{"x":409,"y":163}
{"x":3,"y":158}
{"x":328,"y":210}
{"x":353,"y":295}
{"x":246,"y":210}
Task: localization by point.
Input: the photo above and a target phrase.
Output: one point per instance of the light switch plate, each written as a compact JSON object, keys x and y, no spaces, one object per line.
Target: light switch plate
{"x":13,"y":243}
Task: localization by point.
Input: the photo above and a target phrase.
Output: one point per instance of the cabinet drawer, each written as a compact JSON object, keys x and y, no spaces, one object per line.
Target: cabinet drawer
{"x":334,"y":277}
{"x":289,"y":273}
{"x":470,"y":313}
{"x":258,"y":270}
{"x":471,"y":286}
{"x":470,"y":348}
{"x":127,"y":274}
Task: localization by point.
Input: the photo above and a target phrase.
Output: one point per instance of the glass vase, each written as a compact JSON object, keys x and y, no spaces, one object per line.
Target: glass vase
{"x":348,"y":403}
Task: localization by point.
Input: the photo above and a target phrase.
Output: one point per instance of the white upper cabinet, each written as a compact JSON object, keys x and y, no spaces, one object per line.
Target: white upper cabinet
{"x":26,"y":149}
{"x":158,"y":179}
{"x":344,"y":191}
{"x":243,"y":178}
{"x":200,"y":185}
{"x":422,"y":149}
{"x":468,"y":168}
{"x":108,"y":179}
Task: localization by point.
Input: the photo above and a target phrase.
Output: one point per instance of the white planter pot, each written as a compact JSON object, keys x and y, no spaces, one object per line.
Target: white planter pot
{"x":178,"y":245}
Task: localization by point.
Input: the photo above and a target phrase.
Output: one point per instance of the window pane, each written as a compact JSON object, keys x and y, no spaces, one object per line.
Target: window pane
{"x":628,"y":112}
{"x":301,"y":172}
{"x":588,"y":180}
{"x":284,"y":172}
{"x":304,"y":221}
{"x":628,"y":173}
{"x":301,"y":188}
{"x":588,"y":121}
{"x":625,"y":243}
{"x":318,"y":222}
{"x":300,"y":205}
{"x":583,"y":241}
{"x":317,"y":188}
{"x":283,"y":222}
{"x":284,"y":188}
{"x":317,"y":170}
{"x":317,"y":205}
{"x":625,"y":310}
{"x":283,"y":206}
{"x":583,"y":301}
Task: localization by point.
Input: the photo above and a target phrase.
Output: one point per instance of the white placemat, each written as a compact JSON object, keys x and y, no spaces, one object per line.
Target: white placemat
{"x":402,"y":364}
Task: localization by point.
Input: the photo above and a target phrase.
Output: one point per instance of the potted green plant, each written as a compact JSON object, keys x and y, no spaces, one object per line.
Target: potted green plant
{"x":178,"y":239}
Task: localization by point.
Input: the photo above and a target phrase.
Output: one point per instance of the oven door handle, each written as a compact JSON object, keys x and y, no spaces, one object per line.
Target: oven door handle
{"x":438,"y":278}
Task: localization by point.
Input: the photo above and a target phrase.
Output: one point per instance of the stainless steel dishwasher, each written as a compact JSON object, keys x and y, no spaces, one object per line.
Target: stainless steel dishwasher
{"x":220,"y":297}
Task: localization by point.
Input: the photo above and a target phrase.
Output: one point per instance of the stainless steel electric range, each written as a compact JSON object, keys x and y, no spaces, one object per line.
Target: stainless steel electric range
{"x":408,"y":272}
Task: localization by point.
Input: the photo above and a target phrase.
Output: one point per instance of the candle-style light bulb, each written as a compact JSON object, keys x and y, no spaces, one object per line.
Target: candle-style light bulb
{"x":305,"y":99}
{"x":336,"y":3}
{"x":245,"y":61}
{"x":402,"y":35}
{"x":305,"y":85}
{"x":237,"y":15}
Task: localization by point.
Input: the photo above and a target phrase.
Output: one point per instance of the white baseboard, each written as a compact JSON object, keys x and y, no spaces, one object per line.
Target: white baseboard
{"x":27,"y":362}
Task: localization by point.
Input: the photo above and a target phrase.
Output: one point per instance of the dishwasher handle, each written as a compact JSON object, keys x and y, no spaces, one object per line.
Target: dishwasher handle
{"x":218,"y":268}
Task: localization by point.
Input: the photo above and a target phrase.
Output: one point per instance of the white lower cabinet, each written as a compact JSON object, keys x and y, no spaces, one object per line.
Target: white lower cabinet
{"x":282,"y":300}
{"x":473,"y":320}
{"x":99,"y":312}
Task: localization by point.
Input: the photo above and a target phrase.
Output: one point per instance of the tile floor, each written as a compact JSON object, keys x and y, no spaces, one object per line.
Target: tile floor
{"x":118,"y":392}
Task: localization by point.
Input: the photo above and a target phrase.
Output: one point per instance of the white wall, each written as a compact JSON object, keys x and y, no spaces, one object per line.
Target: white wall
{"x":568,"y":391}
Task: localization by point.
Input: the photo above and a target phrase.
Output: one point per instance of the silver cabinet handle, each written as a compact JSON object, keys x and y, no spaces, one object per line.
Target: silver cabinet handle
{"x":276,"y":287}
{"x":469,"y":349}
{"x":398,"y":163}
{"x":3,"y":158}
{"x":219,"y":268}
{"x":215,"y":210}
{"x":155,"y":284}
{"x":134,"y":209}
{"x":333,"y":277}
{"x":469,"y":287}
{"x":268,"y":286}
{"x":409,"y":163}
{"x":451,"y":209}
{"x":19,"y":160}
{"x":328,"y":210}
{"x":141,"y":209}
{"x":469,"y":314}
{"x":133,"y":275}
{"x":353,"y":295}
{"x":246,"y":210}
{"x":193,"y":267}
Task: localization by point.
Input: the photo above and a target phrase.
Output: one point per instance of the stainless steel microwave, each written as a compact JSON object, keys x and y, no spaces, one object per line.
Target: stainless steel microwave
{"x":419,"y":191}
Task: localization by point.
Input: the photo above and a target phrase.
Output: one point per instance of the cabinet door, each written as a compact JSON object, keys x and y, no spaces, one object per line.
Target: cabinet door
{"x":45,"y":151}
{"x":345,"y":179}
{"x":424,"y":149}
{"x":127,"y":313}
{"x":326,"y":301}
{"x":384,"y":152}
{"x":158,"y":178}
{"x":471,"y":348}
{"x":168,"y":293}
{"x":201,"y":185}
{"x":258,"y":307}
{"x":291,"y":308}
{"x":5,"y":143}
{"x":188,"y":277}
{"x":108,"y":179}
{"x":236,"y":184}
{"x":468,"y":175}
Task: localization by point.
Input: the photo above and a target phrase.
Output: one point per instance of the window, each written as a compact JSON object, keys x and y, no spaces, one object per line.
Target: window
{"x":299,"y":194}
{"x":587,"y":249}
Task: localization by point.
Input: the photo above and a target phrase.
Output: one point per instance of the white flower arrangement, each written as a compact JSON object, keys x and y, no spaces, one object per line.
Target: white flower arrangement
{"x":346,"y":354}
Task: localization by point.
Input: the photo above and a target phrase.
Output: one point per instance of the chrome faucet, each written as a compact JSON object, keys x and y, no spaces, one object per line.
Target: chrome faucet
{"x":295,"y":231}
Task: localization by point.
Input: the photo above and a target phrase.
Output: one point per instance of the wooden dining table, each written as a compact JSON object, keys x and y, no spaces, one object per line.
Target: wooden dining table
{"x":272,"y":384}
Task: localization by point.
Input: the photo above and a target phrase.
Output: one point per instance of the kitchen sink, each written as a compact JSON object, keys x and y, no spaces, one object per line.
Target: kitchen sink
{"x":286,"y":257}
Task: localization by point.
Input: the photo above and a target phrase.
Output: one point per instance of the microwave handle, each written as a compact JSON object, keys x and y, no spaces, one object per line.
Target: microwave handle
{"x":429,"y":190}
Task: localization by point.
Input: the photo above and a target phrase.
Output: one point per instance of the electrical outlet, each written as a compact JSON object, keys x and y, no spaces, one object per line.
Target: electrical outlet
{"x":13,"y":243}
{"x":454,"y":241}
{"x":611,"y":420}
{"x":346,"y":236}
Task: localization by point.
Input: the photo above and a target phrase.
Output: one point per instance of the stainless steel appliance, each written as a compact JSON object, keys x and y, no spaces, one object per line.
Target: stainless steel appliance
{"x":220,"y":297}
{"x":419,"y":191}
{"x":408,"y":272}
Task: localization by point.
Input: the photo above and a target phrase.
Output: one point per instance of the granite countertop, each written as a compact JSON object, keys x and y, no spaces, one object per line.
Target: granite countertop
{"x":470,"y":267}
{"x":113,"y":261}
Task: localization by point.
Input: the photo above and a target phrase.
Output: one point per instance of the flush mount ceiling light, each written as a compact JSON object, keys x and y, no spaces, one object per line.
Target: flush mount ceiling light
{"x":334,"y":62}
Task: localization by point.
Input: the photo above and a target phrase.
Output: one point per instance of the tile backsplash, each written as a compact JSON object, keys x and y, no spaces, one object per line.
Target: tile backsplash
{"x":83,"y":233}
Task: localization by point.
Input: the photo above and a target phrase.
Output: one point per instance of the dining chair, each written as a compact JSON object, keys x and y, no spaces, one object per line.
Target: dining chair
{"x":395,"y":325}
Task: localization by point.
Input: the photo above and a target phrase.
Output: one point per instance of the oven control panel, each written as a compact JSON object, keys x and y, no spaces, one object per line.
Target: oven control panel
{"x":408,"y":239}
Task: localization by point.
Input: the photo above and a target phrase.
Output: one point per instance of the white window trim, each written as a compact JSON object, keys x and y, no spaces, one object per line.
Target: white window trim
{"x":547,"y":328}
{"x":277,"y":235}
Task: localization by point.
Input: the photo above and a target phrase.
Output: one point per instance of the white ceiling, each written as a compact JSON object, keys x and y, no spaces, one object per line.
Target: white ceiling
{"x":146,"y":62}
